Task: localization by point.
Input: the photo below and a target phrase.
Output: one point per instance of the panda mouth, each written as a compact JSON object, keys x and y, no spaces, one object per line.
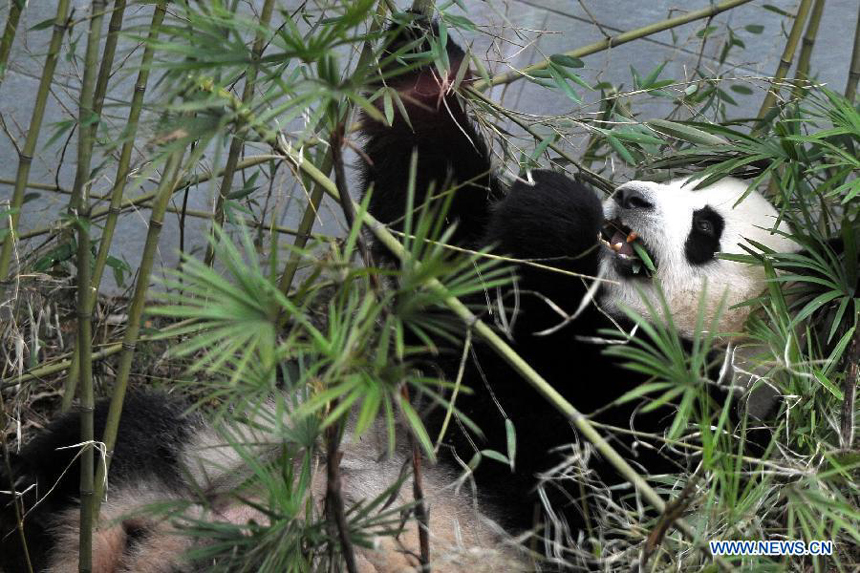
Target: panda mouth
{"x":630,"y":254}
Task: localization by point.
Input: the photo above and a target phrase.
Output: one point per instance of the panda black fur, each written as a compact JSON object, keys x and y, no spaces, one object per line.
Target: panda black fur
{"x":551,"y":218}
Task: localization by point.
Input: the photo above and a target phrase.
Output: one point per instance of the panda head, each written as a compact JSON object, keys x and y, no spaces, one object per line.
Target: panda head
{"x":682,"y":229}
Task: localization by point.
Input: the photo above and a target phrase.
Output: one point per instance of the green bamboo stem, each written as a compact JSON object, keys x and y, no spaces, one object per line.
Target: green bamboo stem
{"x":15,"y":9}
{"x":801,"y":75}
{"x":305,"y":227}
{"x":123,"y":168}
{"x":326,"y":164}
{"x":605,"y":44}
{"x":198,"y":214}
{"x":238,"y":143}
{"x":146,"y":197}
{"x":785,"y":61}
{"x":25,"y":155}
{"x":114,"y":28}
{"x":80,"y":206}
{"x":169,"y":182}
{"x":854,"y":72}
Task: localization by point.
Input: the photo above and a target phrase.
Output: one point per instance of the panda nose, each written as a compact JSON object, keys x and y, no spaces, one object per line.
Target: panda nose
{"x":632,"y":198}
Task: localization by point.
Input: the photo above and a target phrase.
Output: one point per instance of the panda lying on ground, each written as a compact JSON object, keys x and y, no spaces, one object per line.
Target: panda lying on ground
{"x":550,"y":218}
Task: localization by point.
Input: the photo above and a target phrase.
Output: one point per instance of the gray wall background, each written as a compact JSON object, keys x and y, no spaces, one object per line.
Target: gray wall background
{"x":518,"y":32}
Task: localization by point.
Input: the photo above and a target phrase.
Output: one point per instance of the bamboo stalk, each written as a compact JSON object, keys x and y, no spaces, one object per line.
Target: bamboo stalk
{"x":123,"y":168}
{"x":15,"y":9}
{"x":198,"y":214}
{"x":146,"y":197}
{"x":605,"y":44}
{"x":25,"y":155}
{"x":326,"y":164}
{"x":238,"y":143}
{"x":80,"y":206}
{"x":114,"y":28}
{"x":854,"y":72}
{"x":305,"y":227}
{"x":801,"y":75}
{"x":784,"y":62}
{"x":166,"y":188}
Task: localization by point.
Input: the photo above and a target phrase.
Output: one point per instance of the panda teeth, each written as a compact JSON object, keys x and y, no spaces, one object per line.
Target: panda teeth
{"x":617,"y":247}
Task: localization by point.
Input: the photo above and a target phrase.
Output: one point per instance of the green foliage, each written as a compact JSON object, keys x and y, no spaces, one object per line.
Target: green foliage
{"x":343,"y":350}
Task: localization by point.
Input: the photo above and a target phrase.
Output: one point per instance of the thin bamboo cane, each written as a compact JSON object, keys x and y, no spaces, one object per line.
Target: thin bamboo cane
{"x":801,"y":75}
{"x":80,"y":205}
{"x":605,"y":44}
{"x":238,"y":142}
{"x":114,"y":28}
{"x":25,"y":155}
{"x":15,"y":9}
{"x":785,"y":61}
{"x":326,"y":164}
{"x":198,"y":214}
{"x":169,"y":182}
{"x":122,"y":168}
{"x":854,"y":72}
{"x":146,"y":197}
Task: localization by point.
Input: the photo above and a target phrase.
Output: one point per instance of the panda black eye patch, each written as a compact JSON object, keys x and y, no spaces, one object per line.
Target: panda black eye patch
{"x":703,"y":241}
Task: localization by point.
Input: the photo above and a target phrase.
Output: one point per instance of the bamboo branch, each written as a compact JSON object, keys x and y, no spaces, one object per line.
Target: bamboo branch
{"x":784,"y":62}
{"x":25,"y":155}
{"x":146,"y":197}
{"x":334,"y":499}
{"x":237,"y":142}
{"x":854,"y":72}
{"x":166,"y":188}
{"x":114,"y":28}
{"x":196,"y":213}
{"x":605,"y":44}
{"x":122,"y":170}
{"x":15,"y":9}
{"x":801,"y":75}
{"x":80,"y":206}
{"x":849,"y":390}
{"x":326,"y":164}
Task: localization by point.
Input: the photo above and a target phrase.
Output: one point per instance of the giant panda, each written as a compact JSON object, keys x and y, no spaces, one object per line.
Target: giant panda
{"x":586,"y":280}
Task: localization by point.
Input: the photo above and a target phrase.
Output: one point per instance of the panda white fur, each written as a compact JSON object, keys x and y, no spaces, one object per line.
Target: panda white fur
{"x":550,"y":218}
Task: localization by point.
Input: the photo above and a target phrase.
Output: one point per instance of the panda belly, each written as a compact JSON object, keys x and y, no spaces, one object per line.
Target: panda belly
{"x":144,"y":520}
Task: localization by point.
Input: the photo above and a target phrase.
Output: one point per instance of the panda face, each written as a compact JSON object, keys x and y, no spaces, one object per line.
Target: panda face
{"x":682,"y":230}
